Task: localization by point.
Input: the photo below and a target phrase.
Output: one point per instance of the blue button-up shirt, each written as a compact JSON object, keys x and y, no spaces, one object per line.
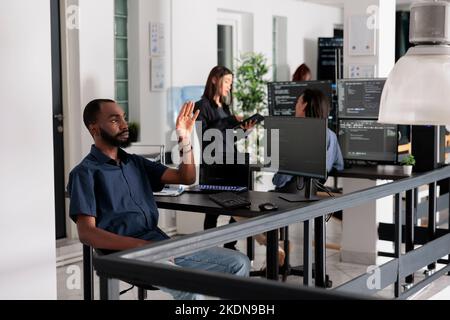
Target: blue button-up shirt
{"x":119,"y":196}
{"x":334,"y":160}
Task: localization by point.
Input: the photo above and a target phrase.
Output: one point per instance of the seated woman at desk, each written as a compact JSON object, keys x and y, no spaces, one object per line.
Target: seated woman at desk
{"x":312,"y":104}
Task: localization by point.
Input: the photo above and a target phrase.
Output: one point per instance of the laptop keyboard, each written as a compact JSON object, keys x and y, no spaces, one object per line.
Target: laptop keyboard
{"x":208,"y":187}
{"x":230,"y":200}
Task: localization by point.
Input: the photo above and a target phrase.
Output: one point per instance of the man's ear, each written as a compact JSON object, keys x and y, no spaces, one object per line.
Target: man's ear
{"x":94,"y":130}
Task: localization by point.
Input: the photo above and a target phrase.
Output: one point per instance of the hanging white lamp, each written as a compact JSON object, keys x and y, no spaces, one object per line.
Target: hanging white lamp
{"x":417,"y":90}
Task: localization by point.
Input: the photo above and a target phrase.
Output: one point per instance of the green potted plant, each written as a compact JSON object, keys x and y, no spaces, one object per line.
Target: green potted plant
{"x":250,"y":91}
{"x":250,"y":87}
{"x":408,"y":162}
{"x":133,"y":131}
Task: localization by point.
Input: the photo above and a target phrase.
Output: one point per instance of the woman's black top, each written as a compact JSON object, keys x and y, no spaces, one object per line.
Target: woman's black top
{"x":214,"y":117}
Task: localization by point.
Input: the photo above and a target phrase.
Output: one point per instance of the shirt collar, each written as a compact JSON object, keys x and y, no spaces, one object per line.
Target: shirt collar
{"x":103,"y":158}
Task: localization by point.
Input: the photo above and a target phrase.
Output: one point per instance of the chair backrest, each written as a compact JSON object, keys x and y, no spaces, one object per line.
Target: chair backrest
{"x":88,"y":275}
{"x":155,"y":152}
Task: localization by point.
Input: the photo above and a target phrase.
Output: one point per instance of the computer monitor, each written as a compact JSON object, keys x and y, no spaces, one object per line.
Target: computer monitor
{"x":282,"y":96}
{"x":368,"y":140}
{"x":359,"y":98}
{"x":298,"y":153}
{"x":230,"y":172}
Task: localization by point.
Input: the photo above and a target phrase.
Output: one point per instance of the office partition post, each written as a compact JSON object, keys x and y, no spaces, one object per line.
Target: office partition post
{"x":398,"y":241}
{"x":272,"y":255}
{"x":448,"y":258}
{"x":409,"y":231}
{"x":432,"y":217}
{"x":307,"y":254}
{"x":319,"y":252}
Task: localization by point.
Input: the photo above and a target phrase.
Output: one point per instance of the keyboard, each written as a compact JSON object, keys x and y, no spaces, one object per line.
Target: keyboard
{"x":230,"y":200}
{"x":212,"y":188}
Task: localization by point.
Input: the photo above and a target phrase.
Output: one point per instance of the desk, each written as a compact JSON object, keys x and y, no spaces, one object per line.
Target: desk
{"x":197,"y":202}
{"x":360,"y":242}
{"x":380,"y":172}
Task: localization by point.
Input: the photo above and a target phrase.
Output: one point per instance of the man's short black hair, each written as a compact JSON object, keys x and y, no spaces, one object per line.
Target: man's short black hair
{"x":92,"y":109}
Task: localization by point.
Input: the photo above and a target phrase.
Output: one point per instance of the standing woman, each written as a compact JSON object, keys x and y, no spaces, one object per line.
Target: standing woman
{"x":215,"y":103}
{"x":215,"y":113}
{"x":303,"y":73}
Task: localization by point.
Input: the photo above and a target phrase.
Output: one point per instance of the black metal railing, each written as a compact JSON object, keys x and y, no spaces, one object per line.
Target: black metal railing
{"x":141,"y":264}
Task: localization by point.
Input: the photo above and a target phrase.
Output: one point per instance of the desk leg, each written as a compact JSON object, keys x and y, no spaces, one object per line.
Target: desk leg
{"x":286,"y":269}
{"x":109,"y":289}
{"x":409,"y":231}
{"x":250,"y":248}
{"x":432,"y":217}
{"x":272,"y":255}
{"x":319,"y":251}
{"x":307,"y":253}
{"x":398,"y":242}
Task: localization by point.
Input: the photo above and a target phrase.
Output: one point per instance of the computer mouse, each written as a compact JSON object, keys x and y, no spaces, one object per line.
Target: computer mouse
{"x":268,"y":206}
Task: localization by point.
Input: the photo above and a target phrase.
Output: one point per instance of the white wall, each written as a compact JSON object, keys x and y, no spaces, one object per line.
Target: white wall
{"x":27,"y":226}
{"x":90,"y":57}
{"x":146,"y":106}
{"x":384,"y":57}
{"x":387,"y":37}
{"x":96,"y":37}
{"x":195,"y":39}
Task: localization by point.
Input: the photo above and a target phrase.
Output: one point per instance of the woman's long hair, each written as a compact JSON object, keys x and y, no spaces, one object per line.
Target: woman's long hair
{"x":317,"y":104}
{"x":301,"y":73}
{"x":211,"y":89}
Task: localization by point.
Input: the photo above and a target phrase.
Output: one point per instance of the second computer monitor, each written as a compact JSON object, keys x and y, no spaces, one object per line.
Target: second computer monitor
{"x":368,"y":140}
{"x":301,"y":146}
{"x":283,"y":96}
{"x":359,"y":98}
{"x":231,"y":169}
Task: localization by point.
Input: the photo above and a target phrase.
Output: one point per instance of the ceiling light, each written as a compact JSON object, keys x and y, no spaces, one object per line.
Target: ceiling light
{"x":417,"y":90}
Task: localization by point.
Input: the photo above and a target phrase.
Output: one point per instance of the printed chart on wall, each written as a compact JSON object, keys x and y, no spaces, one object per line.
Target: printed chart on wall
{"x":157,"y":74}
{"x":157,"y":43}
{"x":157,"y":39}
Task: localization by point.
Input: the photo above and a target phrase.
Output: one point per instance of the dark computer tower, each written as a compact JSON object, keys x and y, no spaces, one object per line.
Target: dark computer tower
{"x":330,"y":64}
{"x":402,"y":43}
{"x":428,"y":147}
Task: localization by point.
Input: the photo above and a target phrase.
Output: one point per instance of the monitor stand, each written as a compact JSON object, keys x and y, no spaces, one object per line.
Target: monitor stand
{"x":308,"y":194}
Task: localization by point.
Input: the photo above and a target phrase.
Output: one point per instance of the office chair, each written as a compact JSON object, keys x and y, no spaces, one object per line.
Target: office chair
{"x":88,"y":277}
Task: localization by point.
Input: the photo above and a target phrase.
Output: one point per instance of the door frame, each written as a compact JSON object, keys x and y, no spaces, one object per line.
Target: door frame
{"x":58,"y":121}
{"x":235,"y":21}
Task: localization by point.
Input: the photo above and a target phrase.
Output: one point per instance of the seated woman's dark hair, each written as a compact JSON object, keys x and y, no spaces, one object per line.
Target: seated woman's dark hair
{"x":317,"y":104}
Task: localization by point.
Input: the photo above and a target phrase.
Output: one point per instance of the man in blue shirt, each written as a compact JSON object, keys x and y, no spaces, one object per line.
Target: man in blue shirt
{"x":111,"y":192}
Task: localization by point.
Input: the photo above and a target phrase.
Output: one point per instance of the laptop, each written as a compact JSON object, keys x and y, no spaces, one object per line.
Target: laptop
{"x":233,"y":177}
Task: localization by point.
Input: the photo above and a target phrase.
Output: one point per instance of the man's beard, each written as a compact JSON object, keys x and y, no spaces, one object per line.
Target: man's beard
{"x":114,"y":140}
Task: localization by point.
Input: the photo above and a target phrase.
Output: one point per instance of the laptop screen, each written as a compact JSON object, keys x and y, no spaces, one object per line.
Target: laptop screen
{"x":228,"y":173}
